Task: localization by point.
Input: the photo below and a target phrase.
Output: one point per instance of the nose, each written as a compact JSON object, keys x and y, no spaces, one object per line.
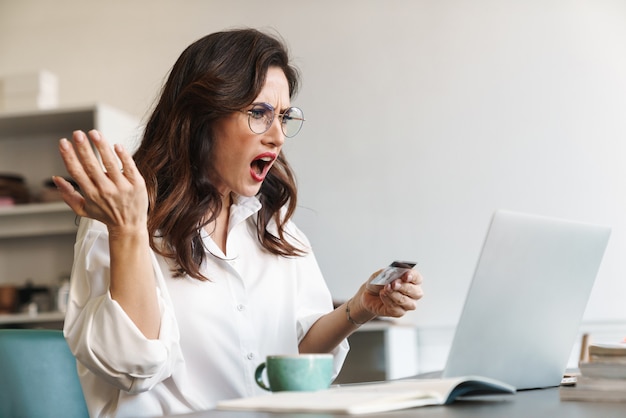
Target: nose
{"x":274,"y":135}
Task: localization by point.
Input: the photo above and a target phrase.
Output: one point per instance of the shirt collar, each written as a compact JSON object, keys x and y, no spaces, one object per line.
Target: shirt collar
{"x":242,"y":208}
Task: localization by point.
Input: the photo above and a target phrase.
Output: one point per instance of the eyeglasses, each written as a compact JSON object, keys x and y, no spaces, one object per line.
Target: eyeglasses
{"x":261,"y":117}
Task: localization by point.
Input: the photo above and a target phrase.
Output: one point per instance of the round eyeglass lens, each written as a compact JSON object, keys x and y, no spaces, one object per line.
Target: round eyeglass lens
{"x":260,"y":118}
{"x":292,"y":121}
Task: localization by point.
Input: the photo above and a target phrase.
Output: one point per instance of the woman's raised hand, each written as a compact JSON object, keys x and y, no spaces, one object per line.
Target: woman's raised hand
{"x":113,"y":195}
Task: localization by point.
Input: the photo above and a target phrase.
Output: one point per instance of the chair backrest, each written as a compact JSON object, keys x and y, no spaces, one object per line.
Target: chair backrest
{"x":38,"y":376}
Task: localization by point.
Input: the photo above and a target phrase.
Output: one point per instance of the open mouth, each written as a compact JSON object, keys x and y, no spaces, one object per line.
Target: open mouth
{"x":260,"y":166}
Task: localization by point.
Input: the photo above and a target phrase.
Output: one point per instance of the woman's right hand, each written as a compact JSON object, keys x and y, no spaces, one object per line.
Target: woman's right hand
{"x":113,"y":195}
{"x":117,"y":197}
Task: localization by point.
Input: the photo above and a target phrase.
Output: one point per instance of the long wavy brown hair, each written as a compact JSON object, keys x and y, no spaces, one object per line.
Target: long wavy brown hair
{"x":215,"y":76}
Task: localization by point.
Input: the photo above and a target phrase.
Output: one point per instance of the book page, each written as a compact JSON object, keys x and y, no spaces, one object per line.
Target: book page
{"x":363,"y":398}
{"x":356,"y":399}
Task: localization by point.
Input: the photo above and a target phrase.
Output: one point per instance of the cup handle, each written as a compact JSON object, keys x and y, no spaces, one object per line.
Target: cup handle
{"x":258,"y":376}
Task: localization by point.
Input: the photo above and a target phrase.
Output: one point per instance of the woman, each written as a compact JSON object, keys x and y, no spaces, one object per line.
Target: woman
{"x":188,"y":269}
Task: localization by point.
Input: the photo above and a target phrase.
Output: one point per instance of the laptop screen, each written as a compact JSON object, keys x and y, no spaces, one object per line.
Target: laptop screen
{"x":526,"y":300}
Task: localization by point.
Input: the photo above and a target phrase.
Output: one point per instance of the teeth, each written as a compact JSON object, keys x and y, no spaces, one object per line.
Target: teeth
{"x":266,"y":159}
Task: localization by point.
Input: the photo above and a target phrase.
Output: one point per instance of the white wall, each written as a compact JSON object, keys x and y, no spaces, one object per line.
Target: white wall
{"x":422,"y":116}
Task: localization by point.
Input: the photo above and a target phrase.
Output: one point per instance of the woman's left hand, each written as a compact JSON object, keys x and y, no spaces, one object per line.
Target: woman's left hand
{"x":394,"y":300}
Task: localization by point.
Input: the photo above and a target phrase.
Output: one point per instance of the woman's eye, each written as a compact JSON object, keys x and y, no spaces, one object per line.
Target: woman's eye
{"x":258,"y":113}
{"x":287,"y":116}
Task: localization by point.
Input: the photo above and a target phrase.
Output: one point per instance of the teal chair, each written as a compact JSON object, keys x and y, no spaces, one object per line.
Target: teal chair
{"x":38,"y":376}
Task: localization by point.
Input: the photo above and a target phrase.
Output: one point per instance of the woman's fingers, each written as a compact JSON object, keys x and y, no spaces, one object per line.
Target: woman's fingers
{"x":87,"y":159}
{"x":129,"y":169}
{"x":111,"y":188}
{"x":412,"y":276}
{"x":409,"y":284}
{"x":73,"y":164}
{"x":107,"y":155}
{"x":95,"y":176}
{"x":402,"y":294}
{"x":398,"y":301}
{"x":70,"y":196}
{"x":118,"y":164}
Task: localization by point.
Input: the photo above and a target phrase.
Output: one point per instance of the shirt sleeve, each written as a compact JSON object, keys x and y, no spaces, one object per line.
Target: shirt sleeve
{"x":314,"y":297}
{"x":99,"y":332}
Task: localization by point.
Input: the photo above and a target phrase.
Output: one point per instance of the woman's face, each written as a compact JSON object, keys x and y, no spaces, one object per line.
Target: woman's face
{"x":242,"y":157}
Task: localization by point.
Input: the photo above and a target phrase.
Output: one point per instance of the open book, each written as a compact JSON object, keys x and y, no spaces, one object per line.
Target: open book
{"x":364,"y":398}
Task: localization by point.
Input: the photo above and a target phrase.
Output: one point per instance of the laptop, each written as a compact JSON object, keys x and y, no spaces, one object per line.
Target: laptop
{"x":527,"y":298}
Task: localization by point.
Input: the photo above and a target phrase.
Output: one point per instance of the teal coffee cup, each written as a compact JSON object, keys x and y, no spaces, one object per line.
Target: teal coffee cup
{"x":298,"y":372}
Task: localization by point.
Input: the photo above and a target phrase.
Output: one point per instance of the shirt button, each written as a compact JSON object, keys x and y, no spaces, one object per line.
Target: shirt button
{"x":250,"y":356}
{"x":241,"y":307}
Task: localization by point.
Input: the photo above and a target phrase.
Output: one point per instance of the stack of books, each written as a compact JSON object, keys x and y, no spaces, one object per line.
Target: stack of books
{"x":602,"y":377}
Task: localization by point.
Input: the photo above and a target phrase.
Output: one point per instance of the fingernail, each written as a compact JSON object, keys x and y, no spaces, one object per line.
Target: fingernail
{"x":63,"y":143}
{"x":79,"y":136}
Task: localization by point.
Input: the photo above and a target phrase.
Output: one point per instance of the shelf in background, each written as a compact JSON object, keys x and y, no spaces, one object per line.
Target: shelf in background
{"x":37,"y":239}
{"x":117,"y":126}
{"x":46,"y":121}
{"x":37,"y":219}
{"x":30,"y":208}
{"x":25,"y":318}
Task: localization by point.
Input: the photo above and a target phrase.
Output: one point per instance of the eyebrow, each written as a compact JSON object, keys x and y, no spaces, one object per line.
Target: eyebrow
{"x":280,"y":111}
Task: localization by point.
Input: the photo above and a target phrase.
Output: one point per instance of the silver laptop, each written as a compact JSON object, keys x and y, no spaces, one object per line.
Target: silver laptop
{"x":527,"y":299}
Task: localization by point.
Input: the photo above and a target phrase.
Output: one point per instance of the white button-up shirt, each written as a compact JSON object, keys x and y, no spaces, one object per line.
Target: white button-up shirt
{"x":213,"y":334}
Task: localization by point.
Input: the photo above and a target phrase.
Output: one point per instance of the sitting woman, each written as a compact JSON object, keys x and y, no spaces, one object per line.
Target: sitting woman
{"x":188,"y":269}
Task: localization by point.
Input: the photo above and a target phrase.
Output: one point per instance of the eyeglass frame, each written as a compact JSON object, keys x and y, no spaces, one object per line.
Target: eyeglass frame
{"x":280,"y":116}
